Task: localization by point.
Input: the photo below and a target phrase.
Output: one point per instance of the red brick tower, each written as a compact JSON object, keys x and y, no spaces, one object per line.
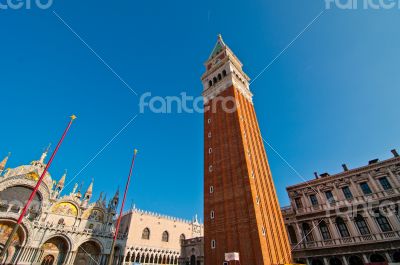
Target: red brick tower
{"x":241,"y":208}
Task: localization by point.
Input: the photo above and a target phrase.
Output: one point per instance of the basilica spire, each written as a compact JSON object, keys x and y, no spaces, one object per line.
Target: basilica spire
{"x":89,"y":191}
{"x":61,"y":182}
{"x":4,"y":163}
{"x":44,"y":154}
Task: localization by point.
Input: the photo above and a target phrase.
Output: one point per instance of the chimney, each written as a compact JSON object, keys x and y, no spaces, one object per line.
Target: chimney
{"x":345,"y":168}
{"x":394,"y":152}
{"x":373,"y":161}
{"x":316,"y":175}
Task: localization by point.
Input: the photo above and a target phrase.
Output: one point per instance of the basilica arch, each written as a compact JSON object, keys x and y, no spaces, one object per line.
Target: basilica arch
{"x":54,"y":250}
{"x":6,"y":226}
{"x":88,"y":253}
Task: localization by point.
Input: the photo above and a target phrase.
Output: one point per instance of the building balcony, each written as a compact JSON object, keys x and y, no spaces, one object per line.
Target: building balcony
{"x":340,"y":242}
{"x":362,"y":199}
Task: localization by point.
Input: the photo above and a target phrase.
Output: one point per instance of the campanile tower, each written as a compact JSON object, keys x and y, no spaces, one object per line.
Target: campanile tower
{"x":241,"y":209}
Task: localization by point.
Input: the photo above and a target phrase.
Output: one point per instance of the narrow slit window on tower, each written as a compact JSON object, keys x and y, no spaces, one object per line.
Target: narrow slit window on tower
{"x":224,"y":73}
{"x":213,"y":244}
{"x":210,"y":83}
{"x":219,"y":77}
{"x":252,"y":174}
{"x":209,"y":121}
{"x":258,"y":200}
{"x":210,"y":150}
{"x":263,"y":231}
{"x":210,"y":168}
{"x":215,"y":80}
{"x":212,"y":214}
{"x":211,"y":189}
{"x":209,"y":135}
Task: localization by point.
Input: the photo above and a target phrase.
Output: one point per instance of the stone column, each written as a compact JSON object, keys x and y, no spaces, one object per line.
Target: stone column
{"x":388,"y":257}
{"x":372,"y":184}
{"x":315,"y":231}
{"x":370,"y":220}
{"x":332,"y":229}
{"x":326,"y":261}
{"x":365,"y":258}
{"x":351,"y":226}
{"x":393,"y":179}
{"x":345,"y":262}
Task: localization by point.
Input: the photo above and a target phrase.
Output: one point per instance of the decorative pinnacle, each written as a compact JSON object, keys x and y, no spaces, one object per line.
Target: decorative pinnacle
{"x":73,"y":117}
{"x":220,"y":36}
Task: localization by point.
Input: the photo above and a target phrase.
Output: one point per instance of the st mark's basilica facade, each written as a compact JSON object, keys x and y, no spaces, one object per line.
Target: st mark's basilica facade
{"x":76,"y":229}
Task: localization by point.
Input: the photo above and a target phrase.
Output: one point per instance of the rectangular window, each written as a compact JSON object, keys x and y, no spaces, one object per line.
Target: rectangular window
{"x":329,"y":196}
{"x":325,"y":232}
{"x":347,"y":193}
{"x":362,"y":225}
{"x":313,"y":199}
{"x":385,"y":183}
{"x":298,"y":203}
{"x":365,"y":188}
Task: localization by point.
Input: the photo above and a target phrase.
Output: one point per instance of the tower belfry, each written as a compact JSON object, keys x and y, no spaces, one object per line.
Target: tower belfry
{"x":242,"y":212}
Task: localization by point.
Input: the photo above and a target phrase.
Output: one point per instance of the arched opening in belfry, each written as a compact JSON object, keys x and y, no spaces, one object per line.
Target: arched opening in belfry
{"x":88,"y":253}
{"x":54,"y":251}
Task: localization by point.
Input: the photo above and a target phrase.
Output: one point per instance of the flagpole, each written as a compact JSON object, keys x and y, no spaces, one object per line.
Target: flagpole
{"x":24,"y":210}
{"x":110,"y":260}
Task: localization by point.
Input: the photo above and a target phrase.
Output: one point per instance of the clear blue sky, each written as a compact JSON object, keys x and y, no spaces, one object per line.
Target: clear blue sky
{"x":332,"y":97}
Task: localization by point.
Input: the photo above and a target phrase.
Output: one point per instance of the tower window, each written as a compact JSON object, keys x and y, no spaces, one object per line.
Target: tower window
{"x":209,"y":121}
{"x":219,"y":77}
{"x":213,"y":244}
{"x":215,"y":80}
{"x":209,"y":150}
{"x":211,"y":189}
{"x":210,"y":168}
{"x":258,"y":200}
{"x":209,"y":135}
{"x":212,"y":214}
{"x":252,"y":174}
{"x":263,"y":231}
{"x":224,"y":73}
{"x":210,"y":83}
